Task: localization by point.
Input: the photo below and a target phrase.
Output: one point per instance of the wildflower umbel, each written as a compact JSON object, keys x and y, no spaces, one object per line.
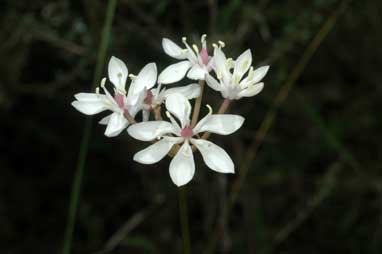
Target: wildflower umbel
{"x":232,"y":86}
{"x":179,"y":136}
{"x":122,"y":106}
{"x":196,"y":63}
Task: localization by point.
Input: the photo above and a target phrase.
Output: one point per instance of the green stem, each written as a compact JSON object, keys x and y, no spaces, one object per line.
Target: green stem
{"x":183,"y":215}
{"x":198,"y":103}
{"x":76,"y":187}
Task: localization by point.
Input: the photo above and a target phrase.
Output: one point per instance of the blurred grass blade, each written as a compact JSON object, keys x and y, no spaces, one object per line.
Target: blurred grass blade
{"x":330,"y":138}
{"x":270,"y":117}
{"x":76,"y":187}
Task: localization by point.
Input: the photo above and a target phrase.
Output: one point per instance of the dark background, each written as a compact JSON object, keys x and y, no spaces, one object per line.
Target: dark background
{"x":315,"y":185}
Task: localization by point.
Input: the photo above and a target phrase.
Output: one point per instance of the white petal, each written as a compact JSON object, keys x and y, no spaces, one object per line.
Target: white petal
{"x":256,"y":76}
{"x":213,"y":83}
{"x":219,"y":59}
{"x":174,"y":72}
{"x":251,"y":90}
{"x":180,"y":107}
{"x":182,"y":166}
{"x":145,"y":79}
{"x":173,"y":50}
{"x":222,"y":70}
{"x":196,"y":73}
{"x":96,"y":105}
{"x":117,"y":73}
{"x":105,"y":120}
{"x":89,"y":97}
{"x":138,"y":105}
{"x":223,"y":124}
{"x":117,"y":123}
{"x":214,"y":156}
{"x":242,"y":64}
{"x":147,"y":131}
{"x":190,"y":92}
{"x":157,"y":151}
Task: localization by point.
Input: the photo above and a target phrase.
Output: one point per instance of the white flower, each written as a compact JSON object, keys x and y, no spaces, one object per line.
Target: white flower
{"x":122,"y":106}
{"x":182,"y":166}
{"x":196,"y":63}
{"x":232,"y":85}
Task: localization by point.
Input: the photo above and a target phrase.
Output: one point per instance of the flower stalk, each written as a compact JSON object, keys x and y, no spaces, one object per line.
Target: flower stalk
{"x":183,"y":216}
{"x":129,"y":118}
{"x":198,"y":103}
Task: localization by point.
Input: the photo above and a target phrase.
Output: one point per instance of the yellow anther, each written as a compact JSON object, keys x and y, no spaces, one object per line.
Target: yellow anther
{"x":195,"y":48}
{"x":235,"y":79}
{"x":244,"y":65}
{"x":132,"y":76}
{"x":168,"y":114}
{"x":209,"y":109}
{"x":229,"y":63}
{"x":250,"y":74}
{"x":219,"y":73}
{"x":184,"y":39}
{"x":97,"y":90}
{"x":222,"y":44}
{"x":214,"y":45}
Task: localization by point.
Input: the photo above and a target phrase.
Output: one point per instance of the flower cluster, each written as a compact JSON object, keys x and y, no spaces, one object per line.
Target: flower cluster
{"x":181,"y":135}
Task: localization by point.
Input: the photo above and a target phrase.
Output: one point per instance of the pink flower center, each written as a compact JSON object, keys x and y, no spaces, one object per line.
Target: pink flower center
{"x":149,"y":97}
{"x":204,"y":55}
{"x":186,"y":132}
{"x":119,"y":100}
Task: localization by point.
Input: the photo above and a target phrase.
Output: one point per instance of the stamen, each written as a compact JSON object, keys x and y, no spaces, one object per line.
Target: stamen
{"x":111,"y":98}
{"x":222,"y":44}
{"x":210,"y":111}
{"x":235,"y":79}
{"x":97,"y":90}
{"x":244,"y":65}
{"x":103,"y":82}
{"x":190,"y":53}
{"x":214,"y":45}
{"x":229,"y":63}
{"x":195,"y":48}
{"x":250,"y":74}
{"x":219,"y":73}
{"x":174,"y":123}
{"x":132,"y":76}
{"x":184,"y":40}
